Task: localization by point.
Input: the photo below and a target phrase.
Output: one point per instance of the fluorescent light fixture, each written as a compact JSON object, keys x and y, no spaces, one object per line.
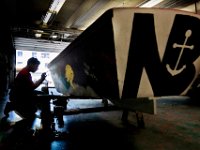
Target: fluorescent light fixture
{"x":151,"y":3}
{"x":46,"y":18}
{"x":38,"y":35}
{"x":56,"y":5}
{"x":54,"y":9}
{"x":54,"y":36}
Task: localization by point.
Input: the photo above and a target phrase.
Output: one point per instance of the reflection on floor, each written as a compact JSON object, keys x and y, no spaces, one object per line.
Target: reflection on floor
{"x":175,"y":126}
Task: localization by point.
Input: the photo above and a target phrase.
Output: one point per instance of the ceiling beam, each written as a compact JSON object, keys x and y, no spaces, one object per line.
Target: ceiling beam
{"x":39,"y":45}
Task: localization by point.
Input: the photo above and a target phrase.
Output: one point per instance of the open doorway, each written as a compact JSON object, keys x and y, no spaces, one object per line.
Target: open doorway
{"x":44,"y":57}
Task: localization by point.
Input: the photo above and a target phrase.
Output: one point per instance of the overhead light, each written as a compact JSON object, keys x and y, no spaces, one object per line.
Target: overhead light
{"x":38,"y":33}
{"x":54,"y":36}
{"x":47,"y":18}
{"x":53,"y":9}
{"x":151,"y":3}
{"x":56,"y":5}
{"x":65,"y":35}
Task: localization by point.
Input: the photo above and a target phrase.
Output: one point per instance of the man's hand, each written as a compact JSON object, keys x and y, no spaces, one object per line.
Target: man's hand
{"x":43,"y":75}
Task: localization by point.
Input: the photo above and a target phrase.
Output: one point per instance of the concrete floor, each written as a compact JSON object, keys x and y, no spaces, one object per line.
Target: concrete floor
{"x":175,"y":126}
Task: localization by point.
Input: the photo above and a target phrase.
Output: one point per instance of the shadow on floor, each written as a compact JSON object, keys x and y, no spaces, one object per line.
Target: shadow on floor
{"x":82,"y":133}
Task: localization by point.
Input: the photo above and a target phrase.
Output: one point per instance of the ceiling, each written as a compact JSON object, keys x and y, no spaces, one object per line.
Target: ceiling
{"x":28,"y":16}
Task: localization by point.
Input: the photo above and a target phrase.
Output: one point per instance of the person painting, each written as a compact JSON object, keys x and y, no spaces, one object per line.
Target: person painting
{"x":23,"y":90}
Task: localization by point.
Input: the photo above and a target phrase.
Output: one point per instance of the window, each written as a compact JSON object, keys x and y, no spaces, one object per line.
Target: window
{"x":19,"y":53}
{"x":34,"y":54}
{"x":46,"y":65}
{"x":19,"y":63}
{"x":45,"y":55}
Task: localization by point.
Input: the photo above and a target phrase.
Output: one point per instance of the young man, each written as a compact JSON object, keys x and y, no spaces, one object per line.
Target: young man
{"x":23,"y":90}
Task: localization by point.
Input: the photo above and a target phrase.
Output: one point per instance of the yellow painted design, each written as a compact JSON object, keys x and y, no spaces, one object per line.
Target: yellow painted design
{"x":69,"y":75}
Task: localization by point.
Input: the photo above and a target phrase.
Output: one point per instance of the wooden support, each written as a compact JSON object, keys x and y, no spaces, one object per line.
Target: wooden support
{"x":145,"y":105}
{"x":138,"y":105}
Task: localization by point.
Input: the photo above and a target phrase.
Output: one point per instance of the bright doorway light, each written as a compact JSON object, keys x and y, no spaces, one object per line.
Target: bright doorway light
{"x":44,"y":57}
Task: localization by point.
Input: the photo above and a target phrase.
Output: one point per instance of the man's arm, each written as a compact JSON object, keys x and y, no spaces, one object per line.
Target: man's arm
{"x":38,"y":82}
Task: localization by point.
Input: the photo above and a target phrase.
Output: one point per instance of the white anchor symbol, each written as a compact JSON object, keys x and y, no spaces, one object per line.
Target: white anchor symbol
{"x":174,"y":71}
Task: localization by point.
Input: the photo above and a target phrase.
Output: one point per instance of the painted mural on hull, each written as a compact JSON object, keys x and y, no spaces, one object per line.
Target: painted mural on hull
{"x":129,"y":53}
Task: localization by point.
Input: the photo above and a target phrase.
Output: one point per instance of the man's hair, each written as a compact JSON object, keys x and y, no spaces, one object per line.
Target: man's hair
{"x":33,"y":61}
